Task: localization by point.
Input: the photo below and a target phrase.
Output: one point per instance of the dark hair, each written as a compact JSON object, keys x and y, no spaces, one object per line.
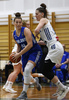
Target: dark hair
{"x":43,"y":9}
{"x":17,"y":15}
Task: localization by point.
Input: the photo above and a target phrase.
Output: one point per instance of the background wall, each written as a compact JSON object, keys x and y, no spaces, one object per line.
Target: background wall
{"x":59,"y":20}
{"x":29,"y":6}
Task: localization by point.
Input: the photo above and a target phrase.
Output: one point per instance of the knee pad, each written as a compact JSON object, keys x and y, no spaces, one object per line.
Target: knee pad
{"x":27,"y":72}
{"x":50,"y":75}
{"x":28,"y":68}
{"x":48,"y":72}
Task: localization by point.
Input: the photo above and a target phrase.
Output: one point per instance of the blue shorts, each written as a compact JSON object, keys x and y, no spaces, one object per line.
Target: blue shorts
{"x":33,"y":56}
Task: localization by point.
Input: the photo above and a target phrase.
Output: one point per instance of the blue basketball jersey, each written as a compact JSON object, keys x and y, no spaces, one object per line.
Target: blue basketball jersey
{"x":65,"y":56}
{"x":34,"y":54}
{"x":21,"y":39}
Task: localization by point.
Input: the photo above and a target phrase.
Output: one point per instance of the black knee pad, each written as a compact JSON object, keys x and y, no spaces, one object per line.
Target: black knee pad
{"x":48,"y":74}
{"x":47,"y":70}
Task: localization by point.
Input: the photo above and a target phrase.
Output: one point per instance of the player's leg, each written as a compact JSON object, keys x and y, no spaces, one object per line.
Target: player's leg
{"x":11,"y":79}
{"x":27,"y":72}
{"x":47,"y":71}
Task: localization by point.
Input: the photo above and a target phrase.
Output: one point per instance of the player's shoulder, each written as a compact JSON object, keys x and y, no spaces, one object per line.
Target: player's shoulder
{"x":44,"y":20}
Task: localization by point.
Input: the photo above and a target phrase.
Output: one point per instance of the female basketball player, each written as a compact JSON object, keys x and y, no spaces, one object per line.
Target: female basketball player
{"x":13,"y":75}
{"x":17,"y":69}
{"x":29,"y":50}
{"x":55,"y":49}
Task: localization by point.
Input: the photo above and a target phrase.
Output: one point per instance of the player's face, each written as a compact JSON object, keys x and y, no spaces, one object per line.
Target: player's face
{"x":27,"y":24}
{"x":18,"y":23}
{"x":38,"y":15}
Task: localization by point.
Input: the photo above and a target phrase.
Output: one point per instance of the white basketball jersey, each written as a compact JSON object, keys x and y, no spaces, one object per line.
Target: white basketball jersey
{"x":55,"y":49}
{"x":14,"y":48}
{"x":48,"y":34}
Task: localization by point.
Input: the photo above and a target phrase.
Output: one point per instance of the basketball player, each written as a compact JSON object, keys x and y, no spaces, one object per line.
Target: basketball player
{"x":55,"y":49}
{"x":29,"y":50}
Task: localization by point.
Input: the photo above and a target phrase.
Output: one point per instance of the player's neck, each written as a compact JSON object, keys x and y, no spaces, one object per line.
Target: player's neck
{"x":18,"y":32}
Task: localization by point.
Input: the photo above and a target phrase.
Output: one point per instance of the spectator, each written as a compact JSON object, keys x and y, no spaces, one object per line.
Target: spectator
{"x":62,"y":68}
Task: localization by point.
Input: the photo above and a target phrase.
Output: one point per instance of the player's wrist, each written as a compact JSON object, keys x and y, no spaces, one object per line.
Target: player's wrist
{"x":62,"y":63}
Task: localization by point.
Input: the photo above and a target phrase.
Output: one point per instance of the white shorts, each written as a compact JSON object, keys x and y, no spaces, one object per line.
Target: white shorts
{"x":17,"y":63}
{"x":55,"y":55}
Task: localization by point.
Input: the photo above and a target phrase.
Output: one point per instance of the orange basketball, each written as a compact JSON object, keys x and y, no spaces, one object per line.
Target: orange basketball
{"x":12,"y":60}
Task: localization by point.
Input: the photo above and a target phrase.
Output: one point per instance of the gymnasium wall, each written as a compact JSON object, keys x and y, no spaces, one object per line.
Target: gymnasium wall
{"x":60,"y":25}
{"x":59,"y":20}
{"x":28,"y":6}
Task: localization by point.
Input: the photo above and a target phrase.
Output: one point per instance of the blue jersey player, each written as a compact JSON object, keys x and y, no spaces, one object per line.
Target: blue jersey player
{"x":29,"y":51}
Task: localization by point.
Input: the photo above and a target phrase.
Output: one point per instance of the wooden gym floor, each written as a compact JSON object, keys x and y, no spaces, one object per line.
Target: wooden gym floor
{"x":33,"y":93}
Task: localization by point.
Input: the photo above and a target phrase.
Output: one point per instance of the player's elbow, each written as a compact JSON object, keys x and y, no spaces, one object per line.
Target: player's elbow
{"x":30,"y":45}
{"x":68,"y":60}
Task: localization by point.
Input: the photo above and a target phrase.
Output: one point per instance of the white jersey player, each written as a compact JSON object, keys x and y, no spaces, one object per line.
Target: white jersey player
{"x":55,"y":49}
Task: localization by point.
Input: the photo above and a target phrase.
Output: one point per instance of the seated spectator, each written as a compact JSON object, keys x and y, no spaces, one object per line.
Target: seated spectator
{"x":61,"y":69}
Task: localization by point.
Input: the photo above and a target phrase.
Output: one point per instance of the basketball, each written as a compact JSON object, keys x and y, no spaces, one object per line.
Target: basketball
{"x":12,"y":60}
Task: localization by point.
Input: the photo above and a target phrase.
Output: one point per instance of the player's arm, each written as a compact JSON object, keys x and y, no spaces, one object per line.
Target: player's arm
{"x":41,"y":42}
{"x":29,"y":45}
{"x":42,"y":22}
{"x":28,"y":37}
{"x":66,"y":62}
